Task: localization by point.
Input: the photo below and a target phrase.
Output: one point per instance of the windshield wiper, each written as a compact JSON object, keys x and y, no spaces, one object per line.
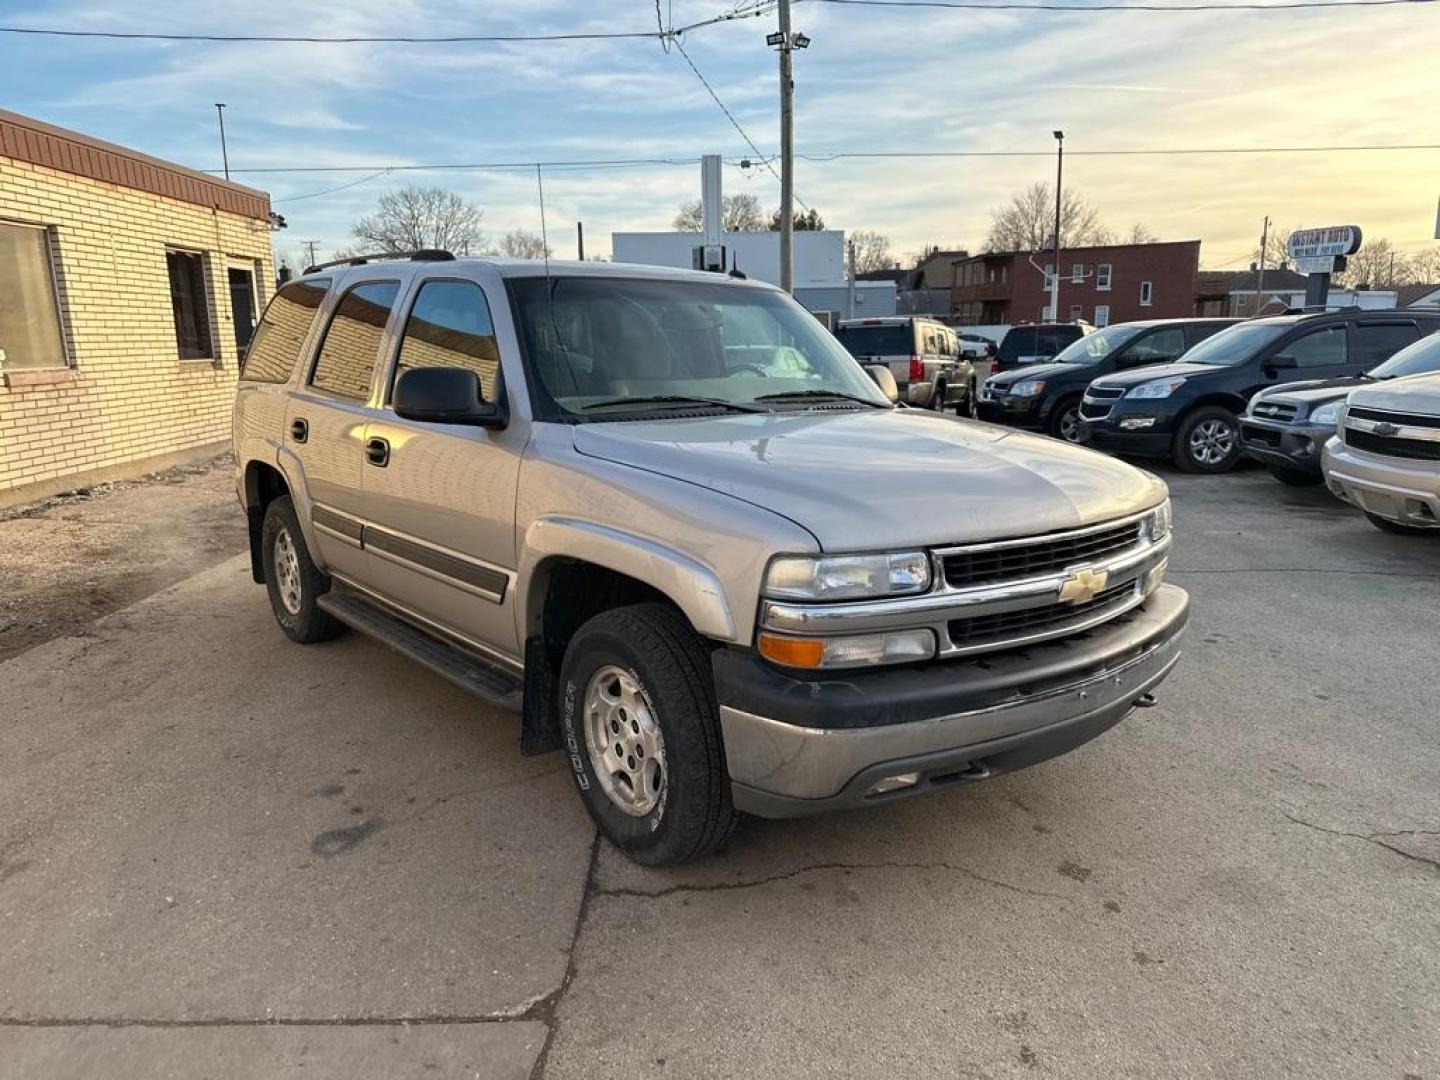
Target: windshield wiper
{"x":832,"y":395}
{"x":677,"y":400}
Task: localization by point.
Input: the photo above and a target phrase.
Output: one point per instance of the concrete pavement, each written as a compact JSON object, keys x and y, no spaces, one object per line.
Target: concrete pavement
{"x":227,"y":855}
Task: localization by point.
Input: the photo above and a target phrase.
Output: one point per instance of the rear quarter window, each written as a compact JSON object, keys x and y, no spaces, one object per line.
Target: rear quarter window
{"x":878,"y":340}
{"x":274,"y":349}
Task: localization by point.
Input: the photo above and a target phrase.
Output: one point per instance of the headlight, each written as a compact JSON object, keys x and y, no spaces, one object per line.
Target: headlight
{"x":847,"y":577}
{"x":1157,"y":522}
{"x":1028,"y":387}
{"x":1158,"y":388}
{"x":1329,"y":413}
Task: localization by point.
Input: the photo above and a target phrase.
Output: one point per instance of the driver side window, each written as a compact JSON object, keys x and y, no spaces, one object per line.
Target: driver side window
{"x":1319,"y":348}
{"x":1157,"y":348}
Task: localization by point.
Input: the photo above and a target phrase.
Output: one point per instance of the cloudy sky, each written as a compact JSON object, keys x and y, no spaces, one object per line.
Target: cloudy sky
{"x":873,"y":80}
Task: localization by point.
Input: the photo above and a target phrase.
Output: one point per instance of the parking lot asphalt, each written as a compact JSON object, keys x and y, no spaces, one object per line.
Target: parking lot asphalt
{"x":225,"y":855}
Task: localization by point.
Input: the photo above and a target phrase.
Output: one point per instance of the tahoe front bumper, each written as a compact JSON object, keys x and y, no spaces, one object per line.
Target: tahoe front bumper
{"x":1400,"y":490}
{"x":798,"y":746}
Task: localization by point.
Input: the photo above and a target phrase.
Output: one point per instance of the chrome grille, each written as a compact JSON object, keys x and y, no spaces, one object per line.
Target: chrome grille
{"x":1389,"y":446}
{"x":965,"y":633}
{"x":1274,"y":410}
{"x":1006,"y":561}
{"x":1099,"y":400}
{"x":1359,"y":412}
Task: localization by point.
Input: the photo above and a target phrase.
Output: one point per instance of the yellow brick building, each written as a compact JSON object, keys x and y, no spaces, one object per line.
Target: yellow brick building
{"x":128,"y":288}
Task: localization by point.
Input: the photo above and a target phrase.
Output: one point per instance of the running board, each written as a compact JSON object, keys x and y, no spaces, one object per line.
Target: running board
{"x":466,"y":670}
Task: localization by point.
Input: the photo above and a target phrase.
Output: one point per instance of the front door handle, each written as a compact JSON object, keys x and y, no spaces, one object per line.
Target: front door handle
{"x":299,"y":429}
{"x":377,"y":451}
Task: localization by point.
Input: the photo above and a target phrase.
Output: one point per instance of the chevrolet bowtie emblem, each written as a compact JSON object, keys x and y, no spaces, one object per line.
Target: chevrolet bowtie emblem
{"x":1386,"y":429}
{"x":1084,"y":583}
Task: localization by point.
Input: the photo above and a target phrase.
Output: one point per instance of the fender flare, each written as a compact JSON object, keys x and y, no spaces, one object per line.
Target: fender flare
{"x":691,"y":585}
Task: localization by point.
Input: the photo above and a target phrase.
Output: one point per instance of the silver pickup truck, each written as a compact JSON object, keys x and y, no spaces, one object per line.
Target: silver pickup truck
{"x":670,"y":521}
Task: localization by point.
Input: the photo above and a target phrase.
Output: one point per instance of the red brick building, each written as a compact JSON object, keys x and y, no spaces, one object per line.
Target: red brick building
{"x":1101,"y":285}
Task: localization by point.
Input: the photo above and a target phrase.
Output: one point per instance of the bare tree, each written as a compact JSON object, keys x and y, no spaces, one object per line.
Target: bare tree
{"x":872,"y":251}
{"x":739,"y":213}
{"x":1027,"y":221}
{"x":412,"y":218}
{"x":805,"y":221}
{"x":1141,"y":234}
{"x":522,"y":244}
{"x":1277,"y":251}
{"x":1424,"y":267}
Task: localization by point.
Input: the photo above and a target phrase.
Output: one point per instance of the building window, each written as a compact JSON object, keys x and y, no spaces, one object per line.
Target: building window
{"x":1077,"y":273}
{"x":1045,"y":314}
{"x":1076,"y":313}
{"x":1102,"y":314}
{"x":188,"y":304}
{"x":1147,"y":293}
{"x":1102,"y":277}
{"x":1049,"y":275}
{"x":30,"y":334}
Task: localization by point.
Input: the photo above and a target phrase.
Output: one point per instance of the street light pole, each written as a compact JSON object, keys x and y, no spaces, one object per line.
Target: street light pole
{"x":787,"y":152}
{"x":1059,"y":177}
{"x":224,"y":153}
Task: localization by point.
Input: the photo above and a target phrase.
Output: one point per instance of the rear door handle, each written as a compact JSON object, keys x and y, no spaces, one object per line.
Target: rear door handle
{"x":377,"y":451}
{"x":299,"y":429}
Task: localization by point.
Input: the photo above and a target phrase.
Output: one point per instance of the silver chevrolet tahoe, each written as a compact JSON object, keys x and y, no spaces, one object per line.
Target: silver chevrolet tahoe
{"x":669,"y":520}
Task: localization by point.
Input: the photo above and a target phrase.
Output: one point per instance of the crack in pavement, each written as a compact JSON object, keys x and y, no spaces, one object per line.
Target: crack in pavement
{"x":419,"y":1020}
{"x":547,"y":1009}
{"x":1375,"y":838}
{"x":727,"y":886}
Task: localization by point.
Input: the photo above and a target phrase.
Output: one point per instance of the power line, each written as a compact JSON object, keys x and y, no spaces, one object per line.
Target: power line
{"x":729,"y":115}
{"x":822,"y":158}
{"x":333,"y":190}
{"x":1040,"y":5}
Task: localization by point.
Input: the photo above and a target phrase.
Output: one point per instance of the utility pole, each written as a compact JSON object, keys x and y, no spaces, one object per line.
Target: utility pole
{"x":787,"y":152}
{"x":1264,"y":246}
{"x":580,"y":239}
{"x":310,"y":252}
{"x":224,"y":153}
{"x":850,"y":314}
{"x":1059,"y":178}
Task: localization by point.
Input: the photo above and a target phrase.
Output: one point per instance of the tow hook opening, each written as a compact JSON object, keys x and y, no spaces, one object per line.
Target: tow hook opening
{"x":1145,"y":701}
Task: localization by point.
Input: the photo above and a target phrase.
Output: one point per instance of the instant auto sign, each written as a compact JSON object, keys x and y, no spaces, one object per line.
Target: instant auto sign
{"x":1315,"y":250}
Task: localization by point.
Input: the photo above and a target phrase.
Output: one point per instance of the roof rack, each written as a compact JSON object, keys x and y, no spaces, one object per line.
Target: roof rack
{"x":423,"y":255}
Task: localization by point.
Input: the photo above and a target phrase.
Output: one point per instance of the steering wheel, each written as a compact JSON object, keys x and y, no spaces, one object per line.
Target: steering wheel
{"x":756,"y":368}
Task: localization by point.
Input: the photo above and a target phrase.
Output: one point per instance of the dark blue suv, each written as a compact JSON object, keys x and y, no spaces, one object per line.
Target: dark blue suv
{"x":1190,"y":411}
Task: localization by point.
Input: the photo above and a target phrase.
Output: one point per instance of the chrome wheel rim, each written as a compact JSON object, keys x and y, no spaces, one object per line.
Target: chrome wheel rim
{"x":622,"y":735}
{"x":1070,"y":424}
{"x":287,"y":572}
{"x":1212,"y":441}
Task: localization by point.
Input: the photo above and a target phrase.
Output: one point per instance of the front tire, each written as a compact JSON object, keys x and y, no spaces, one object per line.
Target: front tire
{"x":642,"y":731}
{"x":970,"y":407}
{"x":292,"y":579}
{"x":937,"y":398}
{"x":1065,"y":421}
{"x":1295,"y":477}
{"x":1396,"y":528}
{"x":1208,"y":441}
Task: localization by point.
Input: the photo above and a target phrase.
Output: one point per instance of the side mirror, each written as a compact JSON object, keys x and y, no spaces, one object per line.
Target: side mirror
{"x":445,"y":395}
{"x":1282,"y":361}
{"x":884,"y":380}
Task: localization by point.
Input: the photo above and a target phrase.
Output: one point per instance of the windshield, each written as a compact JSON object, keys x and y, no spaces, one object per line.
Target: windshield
{"x":1235,"y":344}
{"x":1092,"y":348}
{"x":1421,"y":358}
{"x":878,"y":340}
{"x":617,"y":346}
{"x":1023,"y":342}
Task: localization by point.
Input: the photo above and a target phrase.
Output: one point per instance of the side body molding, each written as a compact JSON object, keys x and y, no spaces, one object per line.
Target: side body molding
{"x":692,"y":585}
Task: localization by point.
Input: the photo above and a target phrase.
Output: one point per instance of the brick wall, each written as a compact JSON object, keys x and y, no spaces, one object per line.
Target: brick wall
{"x":127,"y":395}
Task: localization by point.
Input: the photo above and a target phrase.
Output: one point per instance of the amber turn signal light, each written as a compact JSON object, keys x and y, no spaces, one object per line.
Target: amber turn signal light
{"x":791,"y":652}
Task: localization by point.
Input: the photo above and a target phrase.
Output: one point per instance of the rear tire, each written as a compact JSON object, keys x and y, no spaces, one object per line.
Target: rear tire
{"x":970,"y":407}
{"x":292,"y":579}
{"x":642,"y":730}
{"x":1208,"y":441}
{"x":937,"y":398}
{"x":1397,"y":529}
{"x":1295,"y":477}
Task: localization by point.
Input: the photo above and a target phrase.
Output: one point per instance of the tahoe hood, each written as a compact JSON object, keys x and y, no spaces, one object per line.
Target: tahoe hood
{"x":883,"y":479}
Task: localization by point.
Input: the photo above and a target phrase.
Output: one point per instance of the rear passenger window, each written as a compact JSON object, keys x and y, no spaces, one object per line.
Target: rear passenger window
{"x":352,"y":340}
{"x":450,"y":326}
{"x":1160,"y":346}
{"x":1377,"y":342}
{"x":278,"y":339}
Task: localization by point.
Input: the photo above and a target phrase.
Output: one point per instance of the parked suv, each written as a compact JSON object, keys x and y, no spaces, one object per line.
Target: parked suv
{"x":1190,"y":411}
{"x":924,"y":356}
{"x":667,"y":518}
{"x":1035,"y":343}
{"x":1046,"y":397}
{"x":1286,"y":428}
{"x":1385,"y":458}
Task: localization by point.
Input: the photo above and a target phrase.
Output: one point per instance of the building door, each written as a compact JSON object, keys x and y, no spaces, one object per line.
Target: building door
{"x":242,"y":306}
